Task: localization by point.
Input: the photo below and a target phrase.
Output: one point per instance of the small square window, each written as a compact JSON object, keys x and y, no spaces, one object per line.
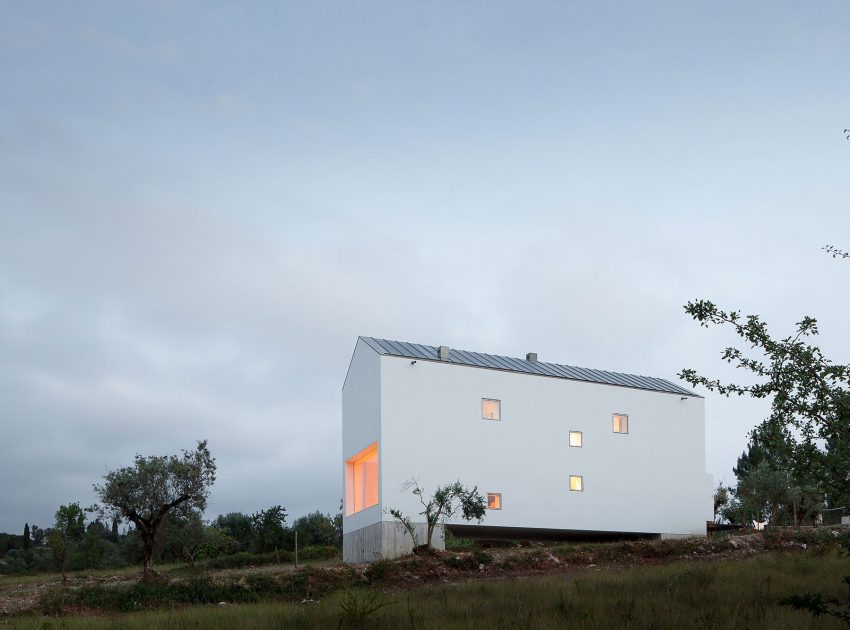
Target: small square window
{"x":576,"y":439}
{"x":621,"y":423}
{"x":491,"y":409}
{"x":576,"y":483}
{"x":494,"y":500}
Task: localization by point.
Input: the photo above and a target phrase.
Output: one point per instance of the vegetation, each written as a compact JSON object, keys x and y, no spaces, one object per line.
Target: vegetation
{"x":154,"y":486}
{"x":804,"y":445}
{"x":444,"y":503}
{"x":745,"y":593}
{"x":66,"y":538}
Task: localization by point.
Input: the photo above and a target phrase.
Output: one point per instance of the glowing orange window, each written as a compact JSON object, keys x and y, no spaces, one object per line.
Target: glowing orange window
{"x":494,"y":500}
{"x":361,"y":480}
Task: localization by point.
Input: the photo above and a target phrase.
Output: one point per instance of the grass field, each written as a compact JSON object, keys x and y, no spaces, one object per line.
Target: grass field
{"x":739,"y":593}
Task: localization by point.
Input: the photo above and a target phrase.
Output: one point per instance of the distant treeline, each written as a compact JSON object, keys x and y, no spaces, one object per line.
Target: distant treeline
{"x":183,"y":538}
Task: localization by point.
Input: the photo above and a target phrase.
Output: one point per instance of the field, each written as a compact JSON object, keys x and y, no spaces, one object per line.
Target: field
{"x":699,"y":584}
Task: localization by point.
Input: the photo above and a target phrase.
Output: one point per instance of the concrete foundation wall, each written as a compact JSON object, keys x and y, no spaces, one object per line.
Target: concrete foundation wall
{"x":384,"y":541}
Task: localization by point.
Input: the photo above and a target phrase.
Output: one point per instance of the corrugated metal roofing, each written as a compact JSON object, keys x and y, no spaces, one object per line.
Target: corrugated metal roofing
{"x":511,"y":364}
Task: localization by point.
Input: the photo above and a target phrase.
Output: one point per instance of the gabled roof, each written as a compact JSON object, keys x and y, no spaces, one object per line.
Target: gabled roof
{"x":511,"y":364}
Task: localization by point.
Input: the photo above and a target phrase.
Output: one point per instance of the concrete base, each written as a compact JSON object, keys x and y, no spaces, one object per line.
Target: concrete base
{"x":385,"y":541}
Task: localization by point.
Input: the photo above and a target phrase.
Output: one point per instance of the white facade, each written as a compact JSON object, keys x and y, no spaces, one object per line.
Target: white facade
{"x":426,"y":417}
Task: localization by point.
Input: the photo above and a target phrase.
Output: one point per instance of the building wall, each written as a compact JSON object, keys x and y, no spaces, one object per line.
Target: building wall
{"x":361,"y":422}
{"x":384,"y":540}
{"x":651,"y":480}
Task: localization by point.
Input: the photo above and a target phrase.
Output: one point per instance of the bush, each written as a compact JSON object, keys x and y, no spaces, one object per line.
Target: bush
{"x":142,"y":595}
{"x":482,"y":557}
{"x":318,"y":552}
{"x":464,"y":562}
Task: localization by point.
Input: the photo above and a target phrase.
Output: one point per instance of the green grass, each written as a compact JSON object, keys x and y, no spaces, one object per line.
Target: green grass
{"x":684,"y":594}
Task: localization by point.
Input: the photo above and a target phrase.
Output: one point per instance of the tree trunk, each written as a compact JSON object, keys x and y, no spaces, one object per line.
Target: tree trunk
{"x":147,"y":558}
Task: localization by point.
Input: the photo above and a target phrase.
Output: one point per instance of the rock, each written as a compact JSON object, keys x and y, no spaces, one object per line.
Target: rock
{"x":734,"y":543}
{"x":222,"y":604}
{"x":480,"y":567}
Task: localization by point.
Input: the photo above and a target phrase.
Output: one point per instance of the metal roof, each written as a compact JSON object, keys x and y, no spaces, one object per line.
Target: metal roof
{"x":511,"y":364}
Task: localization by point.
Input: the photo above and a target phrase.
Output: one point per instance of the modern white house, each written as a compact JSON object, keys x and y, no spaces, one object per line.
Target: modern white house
{"x":559,"y":451}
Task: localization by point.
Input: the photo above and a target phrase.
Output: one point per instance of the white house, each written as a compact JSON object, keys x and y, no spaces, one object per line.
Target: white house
{"x":559,"y":451}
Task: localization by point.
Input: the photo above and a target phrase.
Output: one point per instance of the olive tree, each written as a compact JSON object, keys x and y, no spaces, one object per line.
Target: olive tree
{"x":444,"y":503}
{"x":154,"y":486}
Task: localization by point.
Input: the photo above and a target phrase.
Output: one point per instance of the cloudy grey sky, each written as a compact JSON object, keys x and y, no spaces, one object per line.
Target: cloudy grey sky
{"x":203,"y":204}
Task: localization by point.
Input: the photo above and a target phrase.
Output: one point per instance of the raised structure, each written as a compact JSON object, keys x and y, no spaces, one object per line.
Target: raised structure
{"x":559,"y":451}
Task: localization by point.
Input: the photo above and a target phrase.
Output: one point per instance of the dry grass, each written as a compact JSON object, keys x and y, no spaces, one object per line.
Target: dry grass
{"x":723,"y":593}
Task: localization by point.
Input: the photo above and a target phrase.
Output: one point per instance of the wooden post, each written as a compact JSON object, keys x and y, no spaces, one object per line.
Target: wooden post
{"x":296,"y":548}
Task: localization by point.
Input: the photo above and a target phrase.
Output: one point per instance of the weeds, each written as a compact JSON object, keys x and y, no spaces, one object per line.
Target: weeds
{"x":356,"y":607}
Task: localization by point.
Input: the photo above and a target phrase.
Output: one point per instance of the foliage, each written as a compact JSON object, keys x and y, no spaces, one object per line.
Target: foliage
{"x":819,"y":605}
{"x":721,"y":500}
{"x":809,"y":393}
{"x":729,"y":594}
{"x":316,"y":529}
{"x":269,"y":530}
{"x":38,"y":536}
{"x":150,"y":594}
{"x":444,"y":503}
{"x":66,"y":538}
{"x":237,"y":526}
{"x":145,"y":492}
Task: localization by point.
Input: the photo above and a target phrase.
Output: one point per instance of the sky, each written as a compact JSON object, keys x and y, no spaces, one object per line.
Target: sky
{"x":202,"y":205}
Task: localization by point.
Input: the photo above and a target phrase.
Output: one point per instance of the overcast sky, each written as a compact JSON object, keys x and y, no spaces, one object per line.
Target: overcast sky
{"x":203,"y":204}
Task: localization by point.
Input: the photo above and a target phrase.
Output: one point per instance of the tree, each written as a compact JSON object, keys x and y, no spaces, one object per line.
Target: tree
{"x":810,"y":397}
{"x":154,"y":486}
{"x":113,"y":535}
{"x":721,"y":501}
{"x":27,"y":540}
{"x":183,"y":535}
{"x":316,"y":529}
{"x":237,"y":526}
{"x":37,"y":536}
{"x":444,"y":503}
{"x":269,"y":529}
{"x":67,"y":534}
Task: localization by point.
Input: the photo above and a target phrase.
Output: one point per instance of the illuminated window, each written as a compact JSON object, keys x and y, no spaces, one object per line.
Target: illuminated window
{"x":494,"y":500}
{"x":361,"y":480}
{"x":575,"y":438}
{"x":621,"y":423}
{"x":491,"y":409}
{"x":576,"y":483}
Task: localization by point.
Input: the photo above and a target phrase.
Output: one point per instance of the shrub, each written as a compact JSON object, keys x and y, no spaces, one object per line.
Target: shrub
{"x":463,"y":562}
{"x":482,"y":557}
{"x":380,"y":570}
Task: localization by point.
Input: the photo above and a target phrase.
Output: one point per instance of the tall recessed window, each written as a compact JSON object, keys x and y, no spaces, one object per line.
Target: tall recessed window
{"x":576,"y":439}
{"x":491,"y":409}
{"x":576,"y":483}
{"x":494,"y":500}
{"x":621,"y":423}
{"x":361,"y":480}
